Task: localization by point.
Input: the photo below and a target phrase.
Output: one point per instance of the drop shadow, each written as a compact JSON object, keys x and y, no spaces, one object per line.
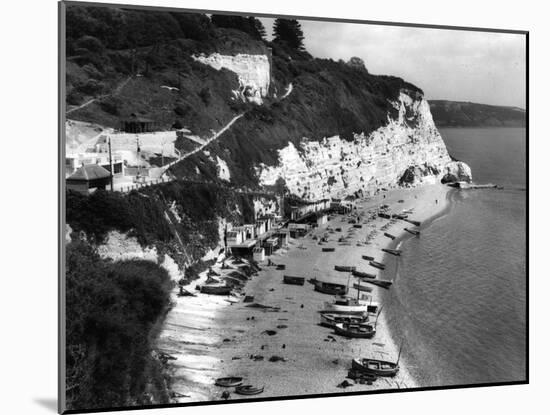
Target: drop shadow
{"x":48,"y":403}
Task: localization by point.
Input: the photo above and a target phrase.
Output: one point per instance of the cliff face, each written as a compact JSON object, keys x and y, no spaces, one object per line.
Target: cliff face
{"x":407,"y":151}
{"x":253,"y":72}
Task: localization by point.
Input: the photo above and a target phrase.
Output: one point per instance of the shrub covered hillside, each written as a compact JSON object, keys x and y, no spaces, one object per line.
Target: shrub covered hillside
{"x":178,"y":218}
{"x":111,"y":310}
{"x":129,"y":73}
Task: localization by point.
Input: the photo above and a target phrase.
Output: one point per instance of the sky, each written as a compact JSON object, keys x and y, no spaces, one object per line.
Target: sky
{"x":458,"y":65}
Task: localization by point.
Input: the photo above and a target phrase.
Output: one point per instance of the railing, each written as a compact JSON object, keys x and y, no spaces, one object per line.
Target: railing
{"x":148,"y":183}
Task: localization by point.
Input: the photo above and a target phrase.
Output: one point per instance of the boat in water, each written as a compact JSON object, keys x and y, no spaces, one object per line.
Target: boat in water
{"x":330,"y":288}
{"x":292,"y":280}
{"x":375,"y":367}
{"x":331,"y":319}
{"x":412,"y":231}
{"x":377,"y":264}
{"x":355,"y":331}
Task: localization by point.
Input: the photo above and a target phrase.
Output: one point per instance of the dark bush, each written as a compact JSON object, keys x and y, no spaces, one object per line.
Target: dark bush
{"x":110,"y":311}
{"x":111,"y":105}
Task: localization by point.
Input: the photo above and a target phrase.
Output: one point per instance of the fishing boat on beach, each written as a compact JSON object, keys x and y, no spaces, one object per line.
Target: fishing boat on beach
{"x":401,"y":216}
{"x":377,"y":264}
{"x":229,"y":382}
{"x":248,"y":390}
{"x":375,"y":366}
{"x":412,"y":231}
{"x":292,"y":280}
{"x":384,"y":215}
{"x":413,"y":222}
{"x":395,"y":252}
{"x":218,"y":289}
{"x":331,"y":319}
{"x":328,"y":249}
{"x":360,"y":274}
{"x":355,"y":331}
{"x":348,"y":305}
{"x":367,"y":257}
{"x":344,"y":268}
{"x":389,"y":235}
{"x":380,"y":283}
{"x":330,"y":288}
{"x":362,"y":288}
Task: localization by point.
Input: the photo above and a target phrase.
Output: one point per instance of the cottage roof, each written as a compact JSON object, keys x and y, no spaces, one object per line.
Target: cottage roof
{"x":90,"y":172}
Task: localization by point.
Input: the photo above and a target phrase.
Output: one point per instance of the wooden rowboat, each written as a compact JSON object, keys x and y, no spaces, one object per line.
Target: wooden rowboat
{"x":229,"y":382}
{"x":401,"y":216}
{"x":361,"y":274}
{"x":362,"y":288}
{"x":330,"y":288}
{"x":395,"y":252}
{"x":289,"y":279}
{"x":380,"y":283}
{"x":377,"y":264}
{"x":375,"y":367}
{"x":344,"y":268}
{"x":355,"y":331}
{"x":248,"y":390}
{"x":367,"y":257}
{"x":412,"y":231}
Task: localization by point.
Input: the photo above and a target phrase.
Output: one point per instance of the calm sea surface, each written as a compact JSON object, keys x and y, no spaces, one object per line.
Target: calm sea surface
{"x":459,"y":299}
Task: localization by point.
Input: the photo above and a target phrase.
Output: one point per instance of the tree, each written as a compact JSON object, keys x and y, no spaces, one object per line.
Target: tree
{"x":356,"y":63}
{"x":249,"y":25}
{"x":290,"y":32}
{"x":259,"y":29}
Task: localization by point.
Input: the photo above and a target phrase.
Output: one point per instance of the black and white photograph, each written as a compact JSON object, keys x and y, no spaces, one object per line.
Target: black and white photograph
{"x":274,"y":206}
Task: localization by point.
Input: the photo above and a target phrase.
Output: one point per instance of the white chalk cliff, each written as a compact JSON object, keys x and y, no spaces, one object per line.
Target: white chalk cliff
{"x":253,"y":72}
{"x":407,"y":151}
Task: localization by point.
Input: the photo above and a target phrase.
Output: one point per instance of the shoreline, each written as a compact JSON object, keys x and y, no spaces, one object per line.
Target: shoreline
{"x":211,"y":337}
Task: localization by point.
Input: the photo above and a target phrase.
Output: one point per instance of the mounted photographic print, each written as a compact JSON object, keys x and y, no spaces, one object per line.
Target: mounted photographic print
{"x":257,"y":207}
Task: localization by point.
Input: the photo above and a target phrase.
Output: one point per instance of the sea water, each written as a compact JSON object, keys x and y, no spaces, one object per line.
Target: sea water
{"x":458,"y":303}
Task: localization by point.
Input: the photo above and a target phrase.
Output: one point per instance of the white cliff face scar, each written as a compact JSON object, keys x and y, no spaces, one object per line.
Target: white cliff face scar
{"x":253,"y":72}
